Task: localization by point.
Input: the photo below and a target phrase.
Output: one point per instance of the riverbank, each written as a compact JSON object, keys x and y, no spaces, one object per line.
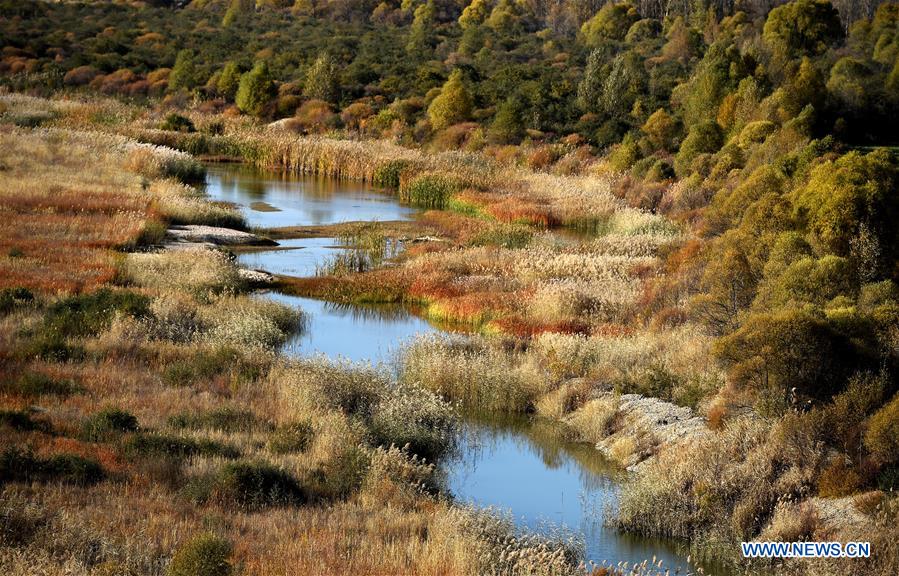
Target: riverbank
{"x":571,"y":328}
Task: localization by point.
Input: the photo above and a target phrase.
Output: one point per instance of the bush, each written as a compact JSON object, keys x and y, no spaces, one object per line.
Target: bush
{"x":247,"y":485}
{"x":882,"y":436}
{"x":89,"y":314}
{"x":13,"y":298}
{"x":291,"y":438}
{"x":22,"y":421}
{"x":203,"y":555}
{"x":33,"y":384}
{"x":225,"y":419}
{"x":18,"y":465}
{"x":177,"y":123}
{"x":162,"y":445}
{"x":107,"y":423}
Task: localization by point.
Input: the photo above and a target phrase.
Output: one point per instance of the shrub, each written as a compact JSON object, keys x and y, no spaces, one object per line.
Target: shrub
{"x":13,"y":298}
{"x":838,"y":479}
{"x":33,"y":384}
{"x":882,"y":436}
{"x":247,"y":485}
{"x":89,"y":314}
{"x":787,"y":350}
{"x":155,"y":444}
{"x":22,"y":421}
{"x":177,"y":123}
{"x":18,"y":465}
{"x":705,"y":138}
{"x":203,"y":555}
{"x":226,"y":419}
{"x":291,"y":438}
{"x":413,"y":418}
{"x":108,"y":422}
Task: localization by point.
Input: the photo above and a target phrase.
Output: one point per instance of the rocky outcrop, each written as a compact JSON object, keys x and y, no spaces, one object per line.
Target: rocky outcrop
{"x":195,"y":234}
{"x":255,"y":277}
{"x":645,"y":425}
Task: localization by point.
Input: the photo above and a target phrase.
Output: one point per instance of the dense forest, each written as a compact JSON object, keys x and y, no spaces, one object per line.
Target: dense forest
{"x":752,"y":144}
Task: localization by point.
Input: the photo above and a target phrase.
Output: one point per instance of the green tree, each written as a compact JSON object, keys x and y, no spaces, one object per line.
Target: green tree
{"x":788,"y":349}
{"x":704,"y":138}
{"x":475,"y":13}
{"x":229,"y":80}
{"x":322,"y":82}
{"x":237,"y":11}
{"x":802,"y":27}
{"x":256,"y":90}
{"x":856,"y":192}
{"x":184,"y":72}
{"x":422,"y":31}
{"x":452,"y":105}
{"x":508,"y":125}
{"x":611,"y":23}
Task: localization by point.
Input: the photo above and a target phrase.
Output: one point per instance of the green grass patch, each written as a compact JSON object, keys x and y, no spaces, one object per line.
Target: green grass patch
{"x":460,"y":206}
{"x":207,"y":364}
{"x":430,"y":190}
{"x":507,"y":236}
{"x":388,"y":175}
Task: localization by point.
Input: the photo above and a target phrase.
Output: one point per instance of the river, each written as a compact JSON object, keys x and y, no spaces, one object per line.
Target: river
{"x":518,"y":466}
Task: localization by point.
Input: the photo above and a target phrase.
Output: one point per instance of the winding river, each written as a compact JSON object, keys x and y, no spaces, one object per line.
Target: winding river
{"x":516,"y":466}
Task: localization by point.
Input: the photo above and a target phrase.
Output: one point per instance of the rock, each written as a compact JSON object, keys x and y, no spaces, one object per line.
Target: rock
{"x":217,"y":236}
{"x":646,"y":425}
{"x":255,"y":276}
{"x":840,"y":518}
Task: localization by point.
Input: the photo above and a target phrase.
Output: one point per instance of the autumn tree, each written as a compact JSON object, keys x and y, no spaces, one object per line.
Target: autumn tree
{"x":322,"y":82}
{"x":452,"y":105}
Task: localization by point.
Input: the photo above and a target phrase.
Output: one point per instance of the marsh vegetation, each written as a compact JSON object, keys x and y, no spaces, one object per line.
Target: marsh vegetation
{"x":664,"y":230}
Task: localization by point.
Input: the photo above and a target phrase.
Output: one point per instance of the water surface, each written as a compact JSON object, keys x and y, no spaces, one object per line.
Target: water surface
{"x":512,"y":465}
{"x":544,"y":483}
{"x":275,"y":199}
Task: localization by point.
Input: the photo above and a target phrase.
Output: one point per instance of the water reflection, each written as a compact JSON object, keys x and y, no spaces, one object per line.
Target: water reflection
{"x":358,"y":333}
{"x":274,"y":199}
{"x":527,"y":468}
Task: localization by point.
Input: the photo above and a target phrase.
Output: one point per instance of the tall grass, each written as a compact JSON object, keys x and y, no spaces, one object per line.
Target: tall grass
{"x":469,"y":371}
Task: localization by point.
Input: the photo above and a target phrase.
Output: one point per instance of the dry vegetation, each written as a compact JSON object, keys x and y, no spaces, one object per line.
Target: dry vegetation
{"x":566,"y":283}
{"x":149,"y":427}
